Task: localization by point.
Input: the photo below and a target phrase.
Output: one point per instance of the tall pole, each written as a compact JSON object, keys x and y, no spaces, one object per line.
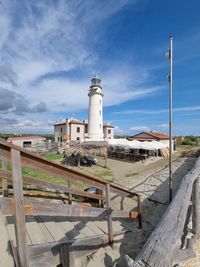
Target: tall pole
{"x":170,"y":116}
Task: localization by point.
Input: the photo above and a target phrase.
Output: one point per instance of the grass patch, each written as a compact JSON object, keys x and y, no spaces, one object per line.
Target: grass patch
{"x":52,"y":155}
{"x":46,"y":177}
{"x":129,"y":174}
{"x":106,"y":174}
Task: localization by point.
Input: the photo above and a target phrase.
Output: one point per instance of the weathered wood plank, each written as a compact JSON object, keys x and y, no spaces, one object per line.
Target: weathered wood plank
{"x":196,"y":208}
{"x":4,"y":181}
{"x":161,"y":248}
{"x":67,"y":258}
{"x":109,"y":216}
{"x":139,"y":212}
{"x":53,"y":186}
{"x":20,"y":227}
{"x":34,"y":207}
{"x":37,"y":162}
{"x":34,"y":231}
{"x":52,"y":250}
{"x":70,"y":194}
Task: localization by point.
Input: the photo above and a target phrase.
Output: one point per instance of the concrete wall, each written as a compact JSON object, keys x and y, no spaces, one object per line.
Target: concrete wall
{"x":20,"y":142}
{"x":74,"y":134}
{"x":58,"y":134}
{"x":70,"y":129}
{"x":166,"y":142}
{"x":108,"y":135}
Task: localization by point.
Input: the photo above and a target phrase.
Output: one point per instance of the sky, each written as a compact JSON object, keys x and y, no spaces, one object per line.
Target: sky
{"x":50,"y":49}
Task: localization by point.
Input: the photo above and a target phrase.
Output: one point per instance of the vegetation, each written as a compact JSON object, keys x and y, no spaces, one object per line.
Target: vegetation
{"x":129,"y":174}
{"x":191,"y":140}
{"x":52,"y":155}
{"x":45,"y":176}
{"x":106,"y":174}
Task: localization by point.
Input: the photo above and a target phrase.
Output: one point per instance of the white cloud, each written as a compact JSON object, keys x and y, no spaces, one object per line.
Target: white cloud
{"x":159,"y":111}
{"x":139,"y":128}
{"x":25,"y":126}
{"x":40,"y":39}
{"x":162,"y":126}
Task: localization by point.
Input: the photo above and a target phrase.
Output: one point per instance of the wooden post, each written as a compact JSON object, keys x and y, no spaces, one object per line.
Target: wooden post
{"x":105,"y":158}
{"x":109,"y":217}
{"x":196,"y":208}
{"x":4,"y":181}
{"x":101,"y":202}
{"x":140,"y":212}
{"x":69,"y":195}
{"x":67,"y":259}
{"x":20,"y":227}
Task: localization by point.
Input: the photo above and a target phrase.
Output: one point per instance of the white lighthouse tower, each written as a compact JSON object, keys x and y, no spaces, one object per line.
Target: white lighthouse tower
{"x":95,"y":116}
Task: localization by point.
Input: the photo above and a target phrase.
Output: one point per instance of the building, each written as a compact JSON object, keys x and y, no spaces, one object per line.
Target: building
{"x":73,"y":130}
{"x":92,"y":130}
{"x":27,"y":141}
{"x":95,"y":114}
{"x":152,"y":136}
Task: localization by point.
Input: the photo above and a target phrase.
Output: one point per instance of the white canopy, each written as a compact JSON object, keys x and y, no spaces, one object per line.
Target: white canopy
{"x":135,"y":144}
{"x":147,"y":146}
{"x":159,"y":145}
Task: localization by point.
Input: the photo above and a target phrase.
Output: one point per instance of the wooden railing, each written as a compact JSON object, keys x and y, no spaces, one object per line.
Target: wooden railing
{"x":163,"y":248}
{"x":19,"y":206}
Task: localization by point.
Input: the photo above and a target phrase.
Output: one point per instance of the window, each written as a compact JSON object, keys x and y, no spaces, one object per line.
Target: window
{"x":58,"y":139}
{"x":27,"y":144}
{"x":109,"y":131}
{"x":78,"y":129}
{"x":100,"y":112}
{"x":100,"y":101}
{"x":61,"y":129}
{"x":78,"y":138}
{"x":86,"y":129}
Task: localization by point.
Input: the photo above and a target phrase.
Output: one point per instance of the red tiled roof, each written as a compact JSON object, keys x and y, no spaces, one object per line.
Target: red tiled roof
{"x":152,"y":135}
{"x":158,"y":135}
{"x":25,"y":138}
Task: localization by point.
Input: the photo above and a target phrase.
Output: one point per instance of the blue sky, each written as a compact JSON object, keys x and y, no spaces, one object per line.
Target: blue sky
{"x":50,"y":50}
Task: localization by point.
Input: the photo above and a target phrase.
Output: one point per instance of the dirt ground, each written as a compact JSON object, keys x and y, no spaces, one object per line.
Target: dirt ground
{"x":194,"y":262}
{"x":150,"y":179}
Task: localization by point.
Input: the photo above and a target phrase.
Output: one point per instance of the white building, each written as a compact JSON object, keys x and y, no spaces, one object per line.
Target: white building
{"x":27,"y":141}
{"x":153,"y":136}
{"x":95,"y":115}
{"x":94,"y":129}
{"x":73,"y":130}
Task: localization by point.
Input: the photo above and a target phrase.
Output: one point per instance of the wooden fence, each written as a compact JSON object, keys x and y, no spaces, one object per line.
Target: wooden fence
{"x":19,"y":206}
{"x":163,"y":248}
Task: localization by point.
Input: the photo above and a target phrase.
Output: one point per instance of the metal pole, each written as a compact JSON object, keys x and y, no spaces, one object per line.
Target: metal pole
{"x":170,"y":118}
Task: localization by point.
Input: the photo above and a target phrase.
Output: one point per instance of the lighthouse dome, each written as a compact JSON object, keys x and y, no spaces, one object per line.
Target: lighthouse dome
{"x":96,"y":81}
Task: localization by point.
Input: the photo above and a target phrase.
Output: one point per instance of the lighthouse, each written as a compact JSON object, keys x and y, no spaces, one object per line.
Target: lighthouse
{"x":95,"y":116}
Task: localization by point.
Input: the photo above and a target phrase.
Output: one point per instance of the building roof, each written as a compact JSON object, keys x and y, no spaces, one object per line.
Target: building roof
{"x":83,"y":122}
{"x":31,"y":137}
{"x":152,"y":135}
{"x":60,"y":123}
{"x":77,"y":122}
{"x":108,"y":126}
